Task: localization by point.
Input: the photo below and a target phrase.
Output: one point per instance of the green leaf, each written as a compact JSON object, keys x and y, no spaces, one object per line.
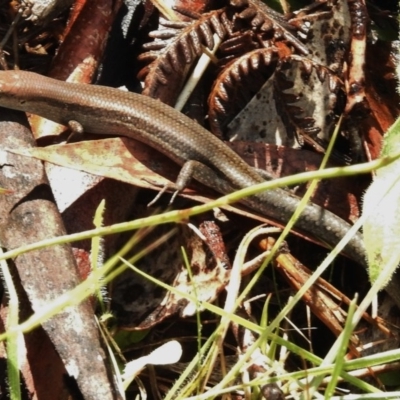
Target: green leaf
{"x":382,"y":207}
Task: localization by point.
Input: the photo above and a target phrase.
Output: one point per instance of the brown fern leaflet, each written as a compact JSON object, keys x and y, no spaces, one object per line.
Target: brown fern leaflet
{"x":178,"y":48}
{"x":238,"y":82}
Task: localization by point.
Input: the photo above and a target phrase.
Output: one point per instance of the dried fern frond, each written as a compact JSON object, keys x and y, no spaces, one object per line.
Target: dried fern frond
{"x":237,"y":84}
{"x":263,"y":18}
{"x":177,"y":49}
{"x":305,"y":94}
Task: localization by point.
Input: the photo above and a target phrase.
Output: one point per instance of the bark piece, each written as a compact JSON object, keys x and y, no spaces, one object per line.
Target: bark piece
{"x":30,"y":215}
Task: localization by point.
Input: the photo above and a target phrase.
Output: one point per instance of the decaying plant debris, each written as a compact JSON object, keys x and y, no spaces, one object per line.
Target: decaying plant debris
{"x":276,"y":80}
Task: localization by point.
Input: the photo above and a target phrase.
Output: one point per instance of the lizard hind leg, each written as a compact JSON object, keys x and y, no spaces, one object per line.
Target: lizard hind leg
{"x":183,"y":179}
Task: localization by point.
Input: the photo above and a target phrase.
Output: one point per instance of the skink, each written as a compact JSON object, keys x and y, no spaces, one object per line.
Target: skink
{"x":104,"y":110}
